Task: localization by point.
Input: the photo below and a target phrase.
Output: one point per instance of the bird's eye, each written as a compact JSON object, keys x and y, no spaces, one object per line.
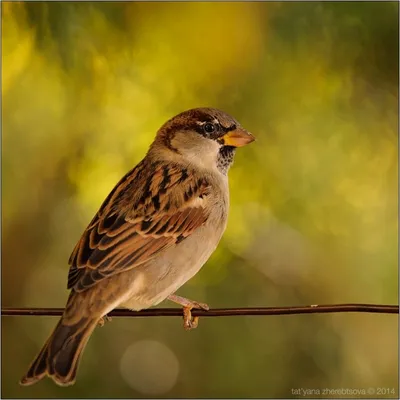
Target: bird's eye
{"x":209,"y":127}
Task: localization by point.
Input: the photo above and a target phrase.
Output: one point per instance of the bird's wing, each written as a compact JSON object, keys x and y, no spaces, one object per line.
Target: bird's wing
{"x":150,"y":209}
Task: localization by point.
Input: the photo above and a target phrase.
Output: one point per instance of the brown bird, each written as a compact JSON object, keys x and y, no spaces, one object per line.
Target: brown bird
{"x":154,"y":232}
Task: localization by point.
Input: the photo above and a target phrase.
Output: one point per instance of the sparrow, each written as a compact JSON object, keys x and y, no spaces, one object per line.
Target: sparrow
{"x":153,"y":232}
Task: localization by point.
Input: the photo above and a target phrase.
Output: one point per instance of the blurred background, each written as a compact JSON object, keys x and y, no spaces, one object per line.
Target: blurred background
{"x":313,"y":215}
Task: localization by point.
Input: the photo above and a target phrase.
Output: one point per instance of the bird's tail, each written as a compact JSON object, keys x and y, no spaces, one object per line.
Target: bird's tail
{"x":60,"y":355}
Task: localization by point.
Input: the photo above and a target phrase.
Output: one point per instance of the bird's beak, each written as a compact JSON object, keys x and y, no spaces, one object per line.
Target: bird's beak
{"x":238,"y":138}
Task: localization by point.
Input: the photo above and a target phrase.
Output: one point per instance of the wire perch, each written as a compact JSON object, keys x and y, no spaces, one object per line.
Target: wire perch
{"x":219,"y":312}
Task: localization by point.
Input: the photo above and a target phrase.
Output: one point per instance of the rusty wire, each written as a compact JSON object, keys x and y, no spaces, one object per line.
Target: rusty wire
{"x":219,"y":312}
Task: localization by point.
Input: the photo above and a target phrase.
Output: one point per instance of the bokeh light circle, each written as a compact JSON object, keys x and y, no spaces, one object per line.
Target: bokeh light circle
{"x":150,"y":367}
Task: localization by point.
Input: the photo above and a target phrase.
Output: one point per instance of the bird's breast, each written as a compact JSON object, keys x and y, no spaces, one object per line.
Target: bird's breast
{"x":172,"y":268}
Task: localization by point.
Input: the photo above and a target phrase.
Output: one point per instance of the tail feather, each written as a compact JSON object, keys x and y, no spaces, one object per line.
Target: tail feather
{"x":60,"y":355}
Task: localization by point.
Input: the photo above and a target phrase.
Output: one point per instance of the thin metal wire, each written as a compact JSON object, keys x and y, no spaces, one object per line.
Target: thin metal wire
{"x":219,"y":312}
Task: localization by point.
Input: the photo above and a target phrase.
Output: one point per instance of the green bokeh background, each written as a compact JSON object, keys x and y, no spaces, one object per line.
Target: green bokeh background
{"x":313,"y":215}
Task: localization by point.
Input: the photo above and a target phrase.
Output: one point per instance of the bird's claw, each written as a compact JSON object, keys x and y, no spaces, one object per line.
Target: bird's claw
{"x":103,"y":320}
{"x":189,"y":322}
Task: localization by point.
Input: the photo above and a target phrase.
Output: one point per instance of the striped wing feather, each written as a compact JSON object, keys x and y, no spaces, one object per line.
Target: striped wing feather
{"x":152,"y":208}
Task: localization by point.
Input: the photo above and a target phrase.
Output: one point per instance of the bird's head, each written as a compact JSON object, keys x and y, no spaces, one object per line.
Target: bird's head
{"x":204,"y":137}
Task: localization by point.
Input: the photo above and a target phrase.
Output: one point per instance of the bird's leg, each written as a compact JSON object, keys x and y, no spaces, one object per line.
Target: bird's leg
{"x":189,"y":322}
{"x":103,"y":320}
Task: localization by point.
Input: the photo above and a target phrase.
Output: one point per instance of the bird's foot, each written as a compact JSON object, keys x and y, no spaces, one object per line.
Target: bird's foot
{"x":189,"y":322}
{"x":103,"y":320}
